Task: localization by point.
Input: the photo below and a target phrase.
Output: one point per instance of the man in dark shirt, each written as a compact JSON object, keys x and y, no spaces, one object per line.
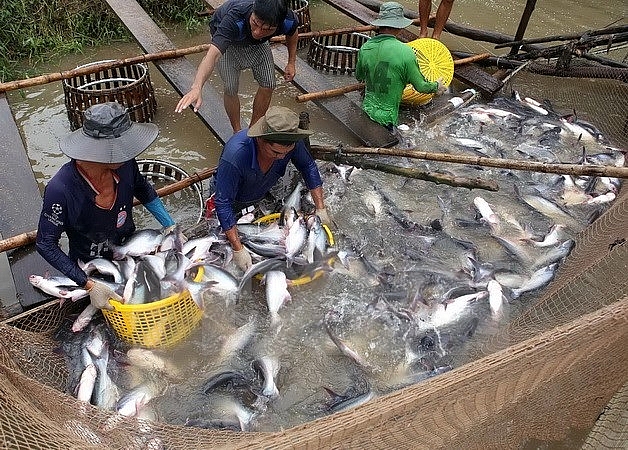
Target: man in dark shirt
{"x":252,"y":162}
{"x":91,"y":197}
{"x":240,"y":31}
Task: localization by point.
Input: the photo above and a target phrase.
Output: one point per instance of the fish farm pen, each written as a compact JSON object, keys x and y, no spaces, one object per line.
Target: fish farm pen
{"x":559,"y":367}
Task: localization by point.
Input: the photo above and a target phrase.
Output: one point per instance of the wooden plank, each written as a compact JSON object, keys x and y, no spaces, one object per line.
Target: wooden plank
{"x":469,"y":74}
{"x":179,"y":71}
{"x":342,"y":108}
{"x":20,"y":204}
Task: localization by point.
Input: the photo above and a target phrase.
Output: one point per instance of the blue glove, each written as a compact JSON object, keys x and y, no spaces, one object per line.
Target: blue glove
{"x":157,"y":209}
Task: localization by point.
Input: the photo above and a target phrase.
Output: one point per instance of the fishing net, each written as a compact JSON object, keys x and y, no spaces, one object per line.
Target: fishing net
{"x":560,"y":365}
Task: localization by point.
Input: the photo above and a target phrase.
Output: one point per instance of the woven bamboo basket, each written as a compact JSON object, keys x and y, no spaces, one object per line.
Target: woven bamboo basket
{"x":336,"y":54}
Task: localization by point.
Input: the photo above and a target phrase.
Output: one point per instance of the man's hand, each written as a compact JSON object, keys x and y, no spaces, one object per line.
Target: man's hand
{"x":289,"y":72}
{"x":324,"y":216}
{"x":442,"y":88}
{"x":99,"y":295}
{"x":242,"y":259}
{"x":194,"y":97}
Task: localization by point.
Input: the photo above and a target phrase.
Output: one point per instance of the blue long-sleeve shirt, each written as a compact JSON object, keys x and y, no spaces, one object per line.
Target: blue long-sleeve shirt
{"x":69,"y":206}
{"x":240,"y":181}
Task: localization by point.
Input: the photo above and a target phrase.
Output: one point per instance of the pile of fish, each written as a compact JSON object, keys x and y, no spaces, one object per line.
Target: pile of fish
{"x":419,"y":275}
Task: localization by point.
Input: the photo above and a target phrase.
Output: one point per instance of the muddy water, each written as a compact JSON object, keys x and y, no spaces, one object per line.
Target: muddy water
{"x":366,"y":313}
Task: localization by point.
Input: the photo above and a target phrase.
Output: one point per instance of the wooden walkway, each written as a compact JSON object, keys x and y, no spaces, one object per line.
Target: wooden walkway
{"x":21,"y":202}
{"x":342,"y":108}
{"x":179,"y":71}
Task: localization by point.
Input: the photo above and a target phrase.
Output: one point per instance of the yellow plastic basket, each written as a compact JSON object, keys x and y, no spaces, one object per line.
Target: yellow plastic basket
{"x":306,"y":278}
{"x":162,"y":323}
{"x":435,"y":62}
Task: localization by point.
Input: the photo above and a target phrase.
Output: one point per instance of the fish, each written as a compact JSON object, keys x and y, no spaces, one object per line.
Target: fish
{"x":341,"y":345}
{"x":106,"y":393}
{"x":292,"y":202}
{"x":268,"y":367}
{"x":102,"y":266}
{"x":85,"y":387}
{"x":549,"y":209}
{"x":316,"y":245}
{"x":58,"y":286}
{"x":229,"y":407}
{"x":487,"y":213}
{"x":148,"y":360}
{"x":231,"y":379}
{"x":554,"y":254}
{"x":373,"y":203}
{"x":133,"y":401}
{"x":224,"y":283}
{"x":295,"y":239}
{"x":537,"y":280}
{"x":348,"y":400}
{"x":276,"y":293}
{"x":495,"y":296}
{"x":139,"y":243}
{"x":551,"y":238}
{"x":84,"y":318}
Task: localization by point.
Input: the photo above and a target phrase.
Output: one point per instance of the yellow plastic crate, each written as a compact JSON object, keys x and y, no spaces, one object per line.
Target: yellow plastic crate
{"x":162,"y":323}
{"x":435,"y":62}
{"x":304,"y":279}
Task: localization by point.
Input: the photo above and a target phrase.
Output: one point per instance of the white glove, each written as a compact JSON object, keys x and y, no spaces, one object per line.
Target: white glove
{"x":100,"y":294}
{"x":242,"y":259}
{"x":442,"y":88}
{"x":169,"y":229}
{"x":324,"y":216}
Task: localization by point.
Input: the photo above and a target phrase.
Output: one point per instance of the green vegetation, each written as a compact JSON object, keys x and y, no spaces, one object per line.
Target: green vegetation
{"x":34,"y":30}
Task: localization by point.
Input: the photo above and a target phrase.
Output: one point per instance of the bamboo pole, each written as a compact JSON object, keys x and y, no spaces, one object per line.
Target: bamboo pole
{"x":410,"y":172}
{"x":29,"y":237}
{"x":532,"y":166}
{"x":328,"y":93}
{"x":331,"y":32}
{"x":93,"y":68}
{"x":318,"y":95}
{"x":472,"y":59}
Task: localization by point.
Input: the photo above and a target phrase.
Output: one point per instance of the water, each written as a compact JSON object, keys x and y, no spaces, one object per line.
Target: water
{"x":365,"y":312}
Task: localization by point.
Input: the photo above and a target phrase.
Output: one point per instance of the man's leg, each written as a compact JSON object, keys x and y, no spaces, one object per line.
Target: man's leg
{"x":264,"y":73}
{"x":442,"y":14}
{"x":261,"y":102}
{"x":232,"y":108}
{"x":229,"y":71}
{"x":425,"y":7}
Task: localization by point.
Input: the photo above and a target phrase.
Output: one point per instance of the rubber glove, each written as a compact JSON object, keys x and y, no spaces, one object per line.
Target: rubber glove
{"x":324,"y":216}
{"x":242,"y":259}
{"x":100,"y":294}
{"x":442,"y":88}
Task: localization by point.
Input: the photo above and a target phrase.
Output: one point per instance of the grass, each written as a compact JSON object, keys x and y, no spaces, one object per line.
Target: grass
{"x":32,"y":31}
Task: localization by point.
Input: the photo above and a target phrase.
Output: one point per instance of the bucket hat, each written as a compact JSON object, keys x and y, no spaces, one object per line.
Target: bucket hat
{"x":391,"y":16}
{"x":108,"y":135}
{"x":279,"y":124}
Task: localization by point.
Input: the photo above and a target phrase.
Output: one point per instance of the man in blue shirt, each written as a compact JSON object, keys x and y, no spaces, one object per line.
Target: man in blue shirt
{"x":252,"y":162}
{"x":240,"y":31}
{"x":91,"y":197}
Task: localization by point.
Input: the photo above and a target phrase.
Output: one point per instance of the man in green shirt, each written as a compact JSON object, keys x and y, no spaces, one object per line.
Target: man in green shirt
{"x":387,"y":65}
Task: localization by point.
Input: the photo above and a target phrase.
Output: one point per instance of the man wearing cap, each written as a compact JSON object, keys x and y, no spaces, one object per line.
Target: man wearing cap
{"x":90,"y":198}
{"x":252,"y":162}
{"x":387,"y":65}
{"x":240,"y":31}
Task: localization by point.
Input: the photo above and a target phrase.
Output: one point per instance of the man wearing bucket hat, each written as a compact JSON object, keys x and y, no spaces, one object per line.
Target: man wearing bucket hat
{"x":252,"y":162}
{"x":240,"y":31}
{"x":387,"y":65}
{"x":90,"y":198}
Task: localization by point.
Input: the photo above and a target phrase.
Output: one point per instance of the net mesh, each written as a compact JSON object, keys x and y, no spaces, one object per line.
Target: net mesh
{"x":552,"y":371}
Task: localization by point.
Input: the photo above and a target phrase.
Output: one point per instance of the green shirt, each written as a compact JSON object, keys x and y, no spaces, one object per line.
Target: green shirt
{"x":387,"y":65}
